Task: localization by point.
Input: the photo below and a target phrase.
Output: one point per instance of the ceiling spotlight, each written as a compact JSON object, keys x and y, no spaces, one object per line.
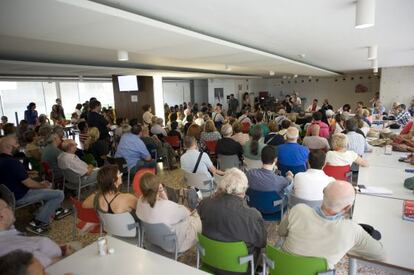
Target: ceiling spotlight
{"x":295,"y":76}
{"x":375,"y":70}
{"x":122,"y":56}
{"x":227,"y":68}
{"x":374,"y":64}
{"x":372,"y":52}
{"x":365,"y":14}
{"x":271,"y":73}
{"x":310,"y":77}
{"x":302,"y":55}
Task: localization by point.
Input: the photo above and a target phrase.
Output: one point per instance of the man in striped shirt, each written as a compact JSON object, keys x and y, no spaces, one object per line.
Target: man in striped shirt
{"x":403,"y":116}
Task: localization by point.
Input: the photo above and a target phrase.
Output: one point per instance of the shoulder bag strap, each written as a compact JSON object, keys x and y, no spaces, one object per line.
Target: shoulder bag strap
{"x":198,"y":162}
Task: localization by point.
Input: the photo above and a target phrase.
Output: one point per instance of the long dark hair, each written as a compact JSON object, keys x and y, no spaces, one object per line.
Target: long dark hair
{"x":149,"y":187}
{"x":256,"y":135}
{"x":107,"y":176}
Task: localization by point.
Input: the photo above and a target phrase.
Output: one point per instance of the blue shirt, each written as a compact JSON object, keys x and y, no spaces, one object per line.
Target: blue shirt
{"x":12,"y":174}
{"x":30,"y":116}
{"x":292,"y":154}
{"x":132,"y":149}
{"x":266,"y":180}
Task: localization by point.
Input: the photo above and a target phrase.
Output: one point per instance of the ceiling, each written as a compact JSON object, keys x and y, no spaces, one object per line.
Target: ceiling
{"x":199,"y":38}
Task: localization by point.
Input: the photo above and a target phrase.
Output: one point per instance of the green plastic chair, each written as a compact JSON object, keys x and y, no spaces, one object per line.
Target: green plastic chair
{"x":282,"y":263}
{"x":228,"y":256}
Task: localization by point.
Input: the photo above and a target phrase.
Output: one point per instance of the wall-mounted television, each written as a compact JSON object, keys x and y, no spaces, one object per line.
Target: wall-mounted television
{"x":128,"y":83}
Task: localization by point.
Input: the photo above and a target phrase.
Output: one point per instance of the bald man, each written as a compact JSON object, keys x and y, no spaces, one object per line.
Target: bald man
{"x":27,"y":190}
{"x":325,"y":232}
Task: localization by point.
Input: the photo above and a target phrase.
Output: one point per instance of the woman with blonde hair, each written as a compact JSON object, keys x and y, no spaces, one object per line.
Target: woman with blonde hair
{"x":97,"y":147}
{"x":154,"y":207}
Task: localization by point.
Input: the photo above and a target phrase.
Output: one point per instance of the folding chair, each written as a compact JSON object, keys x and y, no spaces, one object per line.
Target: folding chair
{"x":160,"y":238}
{"x":121,"y":225}
{"x":75,"y":180}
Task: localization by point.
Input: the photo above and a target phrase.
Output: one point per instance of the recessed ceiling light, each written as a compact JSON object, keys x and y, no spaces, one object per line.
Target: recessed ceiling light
{"x":372,"y":52}
{"x":272,"y":73}
{"x":227,"y":68}
{"x":123,"y":56}
{"x":302,"y":55}
{"x":365,"y":14}
{"x":295,"y":76}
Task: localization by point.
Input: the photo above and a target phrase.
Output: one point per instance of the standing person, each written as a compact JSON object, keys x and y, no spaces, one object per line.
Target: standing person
{"x":147,"y":116}
{"x":246,"y":101}
{"x":30,"y":115}
{"x":233,"y":105}
{"x":296,"y":102}
{"x":287,"y":104}
{"x":78,"y":109}
{"x":95,"y":119}
{"x":60,"y":110}
{"x":217,"y":116}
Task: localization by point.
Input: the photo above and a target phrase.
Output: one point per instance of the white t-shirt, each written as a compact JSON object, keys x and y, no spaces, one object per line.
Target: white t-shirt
{"x":309,"y":185}
{"x":146,"y":117}
{"x":199,"y":121}
{"x":164,"y":211}
{"x":189,"y":160}
{"x":336,"y":158}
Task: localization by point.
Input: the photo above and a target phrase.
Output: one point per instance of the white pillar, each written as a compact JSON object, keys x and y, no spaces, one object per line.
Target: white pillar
{"x":158,"y":96}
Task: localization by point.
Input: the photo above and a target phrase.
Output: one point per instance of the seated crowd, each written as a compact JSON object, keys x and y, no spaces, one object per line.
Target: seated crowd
{"x":286,"y":155}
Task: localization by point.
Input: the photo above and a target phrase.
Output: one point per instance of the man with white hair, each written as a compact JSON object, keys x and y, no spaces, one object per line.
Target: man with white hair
{"x":291,"y":153}
{"x":158,"y":128}
{"x":325,"y":232}
{"x":228,"y":146}
{"x":226,"y":216}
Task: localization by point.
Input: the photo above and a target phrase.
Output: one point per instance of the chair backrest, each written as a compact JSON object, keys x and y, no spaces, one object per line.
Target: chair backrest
{"x":223,"y":255}
{"x":293,"y":200}
{"x":211,"y":146}
{"x":137,"y":179}
{"x":71,"y":176}
{"x":161,"y":235}
{"x":118,"y":224}
{"x":47,"y":170}
{"x":174,"y":141}
{"x":121,"y":162}
{"x":245,"y":127}
{"x":226,"y":162}
{"x":286,"y":263}
{"x":252,"y":163}
{"x":337,"y":172}
{"x":294,"y":169}
{"x":8,"y":196}
{"x":266,"y":202}
{"x":84,"y":214}
{"x":200,"y":181}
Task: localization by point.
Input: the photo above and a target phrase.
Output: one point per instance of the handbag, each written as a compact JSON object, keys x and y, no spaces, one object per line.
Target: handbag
{"x":409,"y":183}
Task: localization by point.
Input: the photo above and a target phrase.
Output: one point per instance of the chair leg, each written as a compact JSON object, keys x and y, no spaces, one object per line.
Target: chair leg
{"x":75,"y":217}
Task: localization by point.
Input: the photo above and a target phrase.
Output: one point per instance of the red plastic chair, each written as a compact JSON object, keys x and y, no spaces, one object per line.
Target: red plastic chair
{"x":211,"y":147}
{"x":245,"y":127}
{"x":85,"y":215}
{"x":137,"y":179}
{"x":174,"y":141}
{"x":339,"y":172}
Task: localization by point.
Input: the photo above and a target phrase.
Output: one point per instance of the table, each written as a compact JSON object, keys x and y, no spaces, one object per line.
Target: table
{"x":378,"y":158}
{"x":397,"y":234}
{"x":127,"y":259}
{"x":387,"y":177}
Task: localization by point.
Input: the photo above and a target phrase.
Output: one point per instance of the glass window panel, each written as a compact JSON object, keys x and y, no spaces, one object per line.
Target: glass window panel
{"x":103,"y":91}
{"x":50,"y":95}
{"x":69,"y":94}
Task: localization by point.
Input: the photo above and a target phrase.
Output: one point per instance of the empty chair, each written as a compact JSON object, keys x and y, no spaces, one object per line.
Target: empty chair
{"x":174,"y":141}
{"x":279,"y":262}
{"x":252,"y":164}
{"x":74,"y":180}
{"x":339,"y":172}
{"x":269,"y":204}
{"x":227,"y":256}
{"x":84,"y":215}
{"x":226,"y":162}
{"x":200,"y":181}
{"x":122,"y":226}
{"x":294,"y":169}
{"x":293,"y":200}
{"x":160,"y":238}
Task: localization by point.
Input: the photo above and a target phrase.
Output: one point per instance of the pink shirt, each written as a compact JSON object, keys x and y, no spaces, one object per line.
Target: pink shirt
{"x":324,"y":129}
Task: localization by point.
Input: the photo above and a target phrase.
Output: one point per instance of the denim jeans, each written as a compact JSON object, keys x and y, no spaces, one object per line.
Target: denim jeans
{"x":52,"y":200}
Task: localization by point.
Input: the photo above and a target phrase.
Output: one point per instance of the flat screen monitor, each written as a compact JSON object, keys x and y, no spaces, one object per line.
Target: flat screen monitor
{"x":127,"y":83}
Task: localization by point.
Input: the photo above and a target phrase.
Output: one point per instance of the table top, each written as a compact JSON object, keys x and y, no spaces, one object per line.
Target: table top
{"x":127,"y":259}
{"x":387,"y":177}
{"x":378,"y":158}
{"x":397,"y":234}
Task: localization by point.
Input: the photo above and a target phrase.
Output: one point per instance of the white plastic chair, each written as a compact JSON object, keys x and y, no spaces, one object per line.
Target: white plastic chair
{"x":75,"y":180}
{"x":226,"y":162}
{"x":160,"y":238}
{"x":121,"y":225}
{"x":199,"y":181}
{"x":252,"y":164}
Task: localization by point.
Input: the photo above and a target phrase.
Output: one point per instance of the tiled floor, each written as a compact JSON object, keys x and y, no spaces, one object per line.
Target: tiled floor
{"x":61,"y":231}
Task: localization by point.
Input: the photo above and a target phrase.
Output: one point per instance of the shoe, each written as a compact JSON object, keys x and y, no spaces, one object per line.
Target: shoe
{"x":36,"y":223}
{"x":62,"y":212}
{"x":38,"y":230}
